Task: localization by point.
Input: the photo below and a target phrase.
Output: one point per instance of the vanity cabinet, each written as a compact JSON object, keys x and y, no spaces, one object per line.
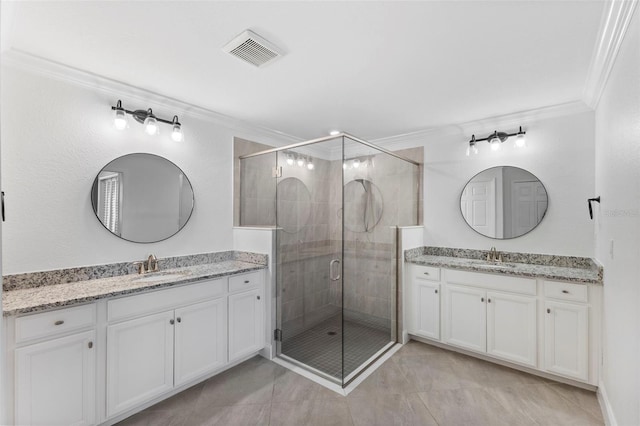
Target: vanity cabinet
{"x":55,"y":370}
{"x":482,"y":315}
{"x":566,"y":330}
{"x":149,"y":353}
{"x":425,"y":301}
{"x":546,"y":326}
{"x":246,"y":323}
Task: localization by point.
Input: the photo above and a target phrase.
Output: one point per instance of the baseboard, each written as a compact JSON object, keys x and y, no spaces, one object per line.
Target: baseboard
{"x":605,"y":406}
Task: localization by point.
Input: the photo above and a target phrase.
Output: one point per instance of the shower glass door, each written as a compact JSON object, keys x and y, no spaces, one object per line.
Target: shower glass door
{"x":309,"y":262}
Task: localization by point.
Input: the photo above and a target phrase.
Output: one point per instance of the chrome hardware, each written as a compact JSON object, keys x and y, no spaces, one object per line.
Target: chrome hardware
{"x":179,"y":319}
{"x":258,"y":297}
{"x":140,"y":266}
{"x":548,"y":311}
{"x":426,"y":273}
{"x":436,"y":291}
{"x":334,"y":262}
{"x":494,"y":255}
{"x":482,"y":299}
{"x":90,"y":345}
{"x":171,"y":321}
{"x":2,"y":205}
{"x":152,"y":263}
{"x":565,"y":291}
{"x":488,"y":300}
{"x":59,"y":322}
{"x":276,"y":172}
{"x":246,"y":282}
{"x":277,"y":335}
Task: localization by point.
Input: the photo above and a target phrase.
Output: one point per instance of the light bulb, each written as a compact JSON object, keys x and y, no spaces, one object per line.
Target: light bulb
{"x":310,"y":165}
{"x":356,"y":163}
{"x":150,"y":123}
{"x":334,"y":132}
{"x":300,"y":162}
{"x":495,"y":144}
{"x":176,"y":133}
{"x":468,"y":153}
{"x":521,"y":142}
{"x":120,"y":119}
{"x":290,"y":160}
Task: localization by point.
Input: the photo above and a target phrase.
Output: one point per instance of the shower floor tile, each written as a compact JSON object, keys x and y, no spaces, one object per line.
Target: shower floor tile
{"x":320,"y":347}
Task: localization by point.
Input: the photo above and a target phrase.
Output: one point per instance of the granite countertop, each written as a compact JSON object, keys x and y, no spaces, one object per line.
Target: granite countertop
{"x":34,"y":299}
{"x":561,"y":268}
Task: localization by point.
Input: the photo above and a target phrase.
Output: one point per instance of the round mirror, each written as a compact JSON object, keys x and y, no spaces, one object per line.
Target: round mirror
{"x":362,"y":205}
{"x":503,"y":202}
{"x":294,"y":205}
{"x":142,"y":198}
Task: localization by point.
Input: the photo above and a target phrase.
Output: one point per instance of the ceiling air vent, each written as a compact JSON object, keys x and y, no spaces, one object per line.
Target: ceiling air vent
{"x":253,"y":49}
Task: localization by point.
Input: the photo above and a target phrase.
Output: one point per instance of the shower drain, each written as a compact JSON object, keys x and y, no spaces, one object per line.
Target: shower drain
{"x":332,"y":333}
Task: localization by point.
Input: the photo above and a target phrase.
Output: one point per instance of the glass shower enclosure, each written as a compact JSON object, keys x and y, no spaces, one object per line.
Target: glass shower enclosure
{"x":336,"y":203}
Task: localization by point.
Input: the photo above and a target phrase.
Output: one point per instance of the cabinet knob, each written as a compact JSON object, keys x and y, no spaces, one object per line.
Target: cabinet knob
{"x":482,"y":299}
{"x":59,"y":322}
{"x":426,"y":273}
{"x":171,"y":321}
{"x":258,"y":297}
{"x":565,"y":291}
{"x":488,"y":300}
{"x":436,"y":291}
{"x":90,"y":344}
{"x":548,"y":310}
{"x":246,"y":282}
{"x":179,"y":319}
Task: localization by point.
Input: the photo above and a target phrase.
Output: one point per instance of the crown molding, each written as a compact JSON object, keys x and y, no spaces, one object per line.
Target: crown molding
{"x":38,"y":65}
{"x":509,"y":121}
{"x":613,"y":27}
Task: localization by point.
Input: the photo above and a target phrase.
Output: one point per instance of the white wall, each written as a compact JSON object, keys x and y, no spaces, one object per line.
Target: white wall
{"x":57,"y":135}
{"x":560,"y":153}
{"x":618,"y":219}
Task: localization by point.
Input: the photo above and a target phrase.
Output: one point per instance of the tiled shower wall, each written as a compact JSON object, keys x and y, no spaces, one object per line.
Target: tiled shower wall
{"x":310,"y":234}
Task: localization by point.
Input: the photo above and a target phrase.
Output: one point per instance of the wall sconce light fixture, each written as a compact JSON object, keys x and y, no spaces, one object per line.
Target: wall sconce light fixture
{"x":496,"y":139}
{"x":147,"y":119}
{"x":299,"y":160}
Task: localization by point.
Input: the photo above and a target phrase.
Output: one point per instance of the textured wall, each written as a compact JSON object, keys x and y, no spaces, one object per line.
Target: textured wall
{"x":56,"y":136}
{"x":618,"y":220}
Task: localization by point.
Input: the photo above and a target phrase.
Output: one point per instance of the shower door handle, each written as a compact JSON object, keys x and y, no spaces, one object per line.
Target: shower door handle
{"x":333,"y":262}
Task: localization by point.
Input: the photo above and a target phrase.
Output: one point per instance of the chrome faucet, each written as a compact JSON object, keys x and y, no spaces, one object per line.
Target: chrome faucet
{"x":494,"y":255}
{"x":152,"y":263}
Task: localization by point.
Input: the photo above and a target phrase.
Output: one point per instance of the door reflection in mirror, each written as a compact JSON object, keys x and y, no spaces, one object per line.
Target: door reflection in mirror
{"x":503,"y":202}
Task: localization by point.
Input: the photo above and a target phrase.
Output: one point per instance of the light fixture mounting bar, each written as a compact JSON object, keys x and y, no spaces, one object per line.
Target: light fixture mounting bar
{"x":140,"y":114}
{"x":501,"y":135}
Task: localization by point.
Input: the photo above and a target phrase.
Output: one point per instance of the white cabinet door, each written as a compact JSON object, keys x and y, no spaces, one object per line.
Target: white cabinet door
{"x":465,"y":317}
{"x":56,"y":381}
{"x":139,"y":361}
{"x":246,"y":323}
{"x":511,"y":327}
{"x":426,"y":315}
{"x":566,"y":339}
{"x":201,"y":339}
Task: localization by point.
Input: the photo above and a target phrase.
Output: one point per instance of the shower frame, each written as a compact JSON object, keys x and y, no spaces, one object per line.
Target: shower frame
{"x":344,"y":380}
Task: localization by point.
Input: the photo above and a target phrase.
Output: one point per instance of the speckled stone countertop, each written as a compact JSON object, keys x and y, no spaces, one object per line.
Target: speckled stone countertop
{"x":27,"y":299}
{"x":550,"y":267}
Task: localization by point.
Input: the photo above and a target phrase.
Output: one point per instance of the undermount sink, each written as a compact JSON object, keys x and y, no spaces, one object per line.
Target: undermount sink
{"x":498,"y":266}
{"x":159,"y":277}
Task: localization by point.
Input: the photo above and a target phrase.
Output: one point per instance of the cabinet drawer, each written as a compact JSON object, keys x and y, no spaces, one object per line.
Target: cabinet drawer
{"x":53,"y":323}
{"x":566,"y":291}
{"x":488,"y":281}
{"x":426,"y":272}
{"x":244,"y":281}
{"x":161,"y":300}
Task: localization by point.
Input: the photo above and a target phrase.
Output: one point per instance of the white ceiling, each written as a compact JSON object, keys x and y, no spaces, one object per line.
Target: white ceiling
{"x":374,"y":69}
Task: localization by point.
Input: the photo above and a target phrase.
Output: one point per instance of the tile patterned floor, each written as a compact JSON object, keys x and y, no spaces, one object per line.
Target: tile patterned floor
{"x":419,"y":385}
{"x":319,"y":349}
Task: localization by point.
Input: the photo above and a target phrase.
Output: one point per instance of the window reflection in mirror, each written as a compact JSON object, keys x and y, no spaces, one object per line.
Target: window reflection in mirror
{"x":503,"y":202}
{"x":142,"y":198}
